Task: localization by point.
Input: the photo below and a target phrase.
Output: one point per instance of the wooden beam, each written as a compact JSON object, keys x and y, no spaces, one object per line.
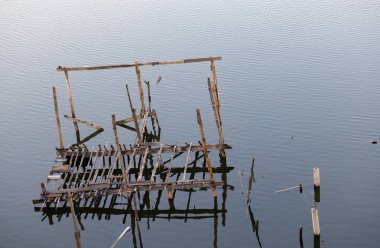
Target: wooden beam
{"x":184,"y":61}
{"x":138,"y":75}
{"x":61,"y":145}
{"x":83,"y":122}
{"x":165,"y":149}
{"x":71,"y":105}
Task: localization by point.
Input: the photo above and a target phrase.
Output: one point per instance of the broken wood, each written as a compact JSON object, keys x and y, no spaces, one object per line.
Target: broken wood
{"x":115,"y":130}
{"x":138,"y":75}
{"x":83,"y":122}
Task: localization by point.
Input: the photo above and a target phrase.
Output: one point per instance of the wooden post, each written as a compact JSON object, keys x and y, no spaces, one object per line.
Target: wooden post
{"x":149,"y":97}
{"x":205,"y":152}
{"x":115,"y":130}
{"x":138,"y":75}
{"x":136,"y":125}
{"x":71,"y":105}
{"x":317,"y":184}
{"x":129,"y":97}
{"x":61,"y":145}
{"x":315,"y":219}
{"x":76,"y":230}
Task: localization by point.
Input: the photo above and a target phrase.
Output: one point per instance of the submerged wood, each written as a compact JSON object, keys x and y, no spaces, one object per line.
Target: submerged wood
{"x":84,"y":68}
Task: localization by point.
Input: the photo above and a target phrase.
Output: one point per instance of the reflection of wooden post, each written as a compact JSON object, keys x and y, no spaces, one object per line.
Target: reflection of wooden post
{"x":138,"y":75}
{"x":61,"y":145}
{"x":76,"y":230}
{"x":205,"y":152}
{"x":317,"y":184}
{"x":71,"y":105}
{"x":315,"y":219}
{"x":115,"y":130}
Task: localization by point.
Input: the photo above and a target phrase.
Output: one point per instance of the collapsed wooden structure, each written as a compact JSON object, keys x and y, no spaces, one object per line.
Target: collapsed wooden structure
{"x":120,"y":170}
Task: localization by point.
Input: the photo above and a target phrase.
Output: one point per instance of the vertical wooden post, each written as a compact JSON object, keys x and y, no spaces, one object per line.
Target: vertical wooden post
{"x":205,"y":152}
{"x":76,"y":230}
{"x":136,"y":125}
{"x":317,"y":184}
{"x":149,"y":97}
{"x":115,"y":130}
{"x":71,"y":105}
{"x":315,"y":219}
{"x":61,"y":145}
{"x":138,"y":75}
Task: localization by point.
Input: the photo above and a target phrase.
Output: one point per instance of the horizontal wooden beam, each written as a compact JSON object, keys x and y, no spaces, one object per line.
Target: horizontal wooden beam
{"x":86,"y":123}
{"x":155,"y":150}
{"x":104,"y":67}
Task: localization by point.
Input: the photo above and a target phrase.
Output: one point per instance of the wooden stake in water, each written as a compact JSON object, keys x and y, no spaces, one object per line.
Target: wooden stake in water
{"x":71,"y":105}
{"x":315,"y":219}
{"x":317,"y":184}
{"x":138,"y":75}
{"x":250,"y":182}
{"x":61,"y":145}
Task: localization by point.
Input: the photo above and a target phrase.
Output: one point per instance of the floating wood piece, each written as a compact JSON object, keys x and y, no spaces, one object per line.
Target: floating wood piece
{"x":71,"y":105}
{"x":83,"y":122}
{"x":250,"y":182}
{"x":88,"y":68}
{"x":315,"y":220}
{"x":61,"y":145}
{"x":138,"y":75}
{"x":76,"y":230}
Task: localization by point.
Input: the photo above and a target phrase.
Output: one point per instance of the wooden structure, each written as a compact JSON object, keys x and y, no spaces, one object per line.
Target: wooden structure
{"x":120,"y":170}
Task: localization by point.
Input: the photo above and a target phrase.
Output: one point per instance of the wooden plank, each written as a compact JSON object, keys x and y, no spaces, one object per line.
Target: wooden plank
{"x":61,"y":145}
{"x":104,"y":67}
{"x":83,"y":122}
{"x":165,"y":149}
{"x":71,"y":105}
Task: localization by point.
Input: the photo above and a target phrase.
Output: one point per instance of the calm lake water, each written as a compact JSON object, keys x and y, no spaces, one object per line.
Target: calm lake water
{"x":307,"y":69}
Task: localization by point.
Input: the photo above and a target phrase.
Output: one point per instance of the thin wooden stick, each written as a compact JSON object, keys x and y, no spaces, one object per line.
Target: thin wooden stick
{"x":184,"y":61}
{"x":250,"y":182}
{"x":121,"y":235}
{"x":138,"y":75}
{"x":115,"y":130}
{"x":149,"y":97}
{"x":61,"y":145}
{"x":71,"y":105}
{"x":76,"y":230}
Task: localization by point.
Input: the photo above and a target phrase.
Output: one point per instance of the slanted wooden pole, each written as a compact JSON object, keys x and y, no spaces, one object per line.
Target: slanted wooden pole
{"x":76,"y":230}
{"x":205,"y":152}
{"x":115,"y":130}
{"x":317,"y":185}
{"x":138,"y":75}
{"x":129,"y":97}
{"x":71,"y":105}
{"x":61,"y":145}
{"x":136,"y":125}
{"x":250,"y":182}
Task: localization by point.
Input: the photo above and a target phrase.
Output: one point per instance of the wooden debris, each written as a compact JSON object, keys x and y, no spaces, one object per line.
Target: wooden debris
{"x":76,"y":230}
{"x":250,"y":182}
{"x":61,"y":145}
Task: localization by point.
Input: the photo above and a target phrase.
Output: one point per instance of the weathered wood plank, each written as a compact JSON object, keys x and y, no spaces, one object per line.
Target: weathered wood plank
{"x":83,"y":122}
{"x":104,"y":67}
{"x":61,"y":145}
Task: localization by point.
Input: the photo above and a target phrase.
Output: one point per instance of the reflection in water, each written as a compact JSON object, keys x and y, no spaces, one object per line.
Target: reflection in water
{"x":103,"y":207}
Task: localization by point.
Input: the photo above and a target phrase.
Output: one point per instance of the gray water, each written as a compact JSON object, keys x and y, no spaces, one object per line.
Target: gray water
{"x":307,"y":69}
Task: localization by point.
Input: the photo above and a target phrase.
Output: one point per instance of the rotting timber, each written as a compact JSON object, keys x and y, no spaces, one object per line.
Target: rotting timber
{"x":123,"y":171}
